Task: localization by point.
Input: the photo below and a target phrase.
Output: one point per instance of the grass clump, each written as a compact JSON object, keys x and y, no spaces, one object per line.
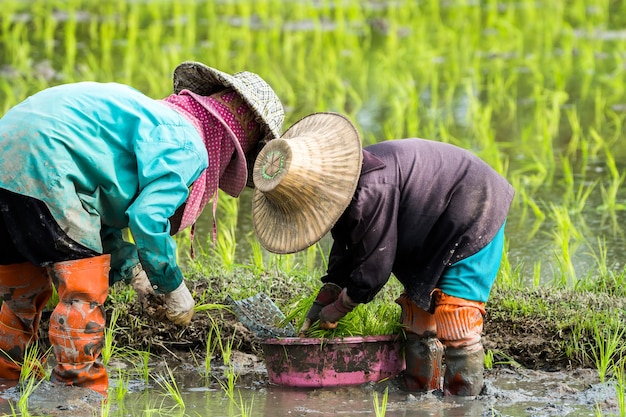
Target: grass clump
{"x":554,"y":328}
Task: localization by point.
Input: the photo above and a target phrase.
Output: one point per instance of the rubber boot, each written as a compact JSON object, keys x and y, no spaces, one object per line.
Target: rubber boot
{"x":78,"y":321}
{"x":25,"y":289}
{"x":423,"y":357}
{"x":459,"y":327}
{"x":423,"y":352}
{"x":464,"y":370}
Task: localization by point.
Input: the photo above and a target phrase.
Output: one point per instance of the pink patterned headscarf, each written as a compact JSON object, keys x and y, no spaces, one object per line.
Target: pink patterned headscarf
{"x":228,"y":129}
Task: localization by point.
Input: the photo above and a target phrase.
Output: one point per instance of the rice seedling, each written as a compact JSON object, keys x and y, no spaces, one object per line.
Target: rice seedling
{"x":497,"y":357}
{"x":31,"y":373}
{"x":619,"y":375}
{"x":604,"y":279}
{"x":209,"y":350}
{"x":225,"y":347}
{"x":105,"y":409}
{"x":143,"y":365}
{"x":225,"y":248}
{"x":489,"y":359}
{"x":33,"y":366}
{"x":210,"y":306}
{"x":611,"y":191}
{"x":256,"y":255}
{"x":374,"y":318}
{"x":508,"y":275}
{"x":564,"y":233}
{"x":226,"y":243}
{"x":169,"y":385}
{"x":14,"y":412}
{"x":576,"y":348}
{"x":536,"y":274}
{"x":228,"y":383}
{"x":109,"y":338}
{"x":245,"y":408}
{"x":284,"y":263}
{"x":380,"y":407}
{"x":607,"y":347}
{"x":121,"y":386}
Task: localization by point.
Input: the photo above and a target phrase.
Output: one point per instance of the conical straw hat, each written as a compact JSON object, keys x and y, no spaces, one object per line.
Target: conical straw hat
{"x":260,"y":97}
{"x":304,"y":181}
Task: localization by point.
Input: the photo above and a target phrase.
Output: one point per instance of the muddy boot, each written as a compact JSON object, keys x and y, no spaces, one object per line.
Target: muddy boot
{"x":459,"y":327}
{"x":423,"y":356}
{"x":25,"y":289}
{"x":77,"y":323}
{"x":464,"y":370}
{"x":422,"y":350}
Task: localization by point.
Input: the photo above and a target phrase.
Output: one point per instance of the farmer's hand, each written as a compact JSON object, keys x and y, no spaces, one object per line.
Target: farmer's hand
{"x":325,"y":296}
{"x":141,"y":285}
{"x":332,"y":313}
{"x":179,"y":305}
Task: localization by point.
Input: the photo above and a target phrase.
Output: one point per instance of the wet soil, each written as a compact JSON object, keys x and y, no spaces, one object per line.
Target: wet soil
{"x":532,"y":373}
{"x":533,"y":341}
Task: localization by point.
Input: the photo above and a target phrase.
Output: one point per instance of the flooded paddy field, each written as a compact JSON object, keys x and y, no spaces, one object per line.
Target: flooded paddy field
{"x":535,"y":88}
{"x":507,"y":392}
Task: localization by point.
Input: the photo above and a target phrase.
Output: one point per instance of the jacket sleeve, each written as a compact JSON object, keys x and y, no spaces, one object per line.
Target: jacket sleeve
{"x":365,"y":241}
{"x":165,"y":168}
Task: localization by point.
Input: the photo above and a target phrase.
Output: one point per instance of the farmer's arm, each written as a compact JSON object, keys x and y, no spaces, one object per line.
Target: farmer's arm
{"x":364,"y":251}
{"x":165,"y":168}
{"x":365,"y":243}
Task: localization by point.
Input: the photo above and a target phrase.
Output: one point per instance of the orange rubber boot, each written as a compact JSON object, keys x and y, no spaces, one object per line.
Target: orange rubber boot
{"x":25,"y":289}
{"x":77,"y":323}
{"x":459,"y":326}
{"x":423,"y":352}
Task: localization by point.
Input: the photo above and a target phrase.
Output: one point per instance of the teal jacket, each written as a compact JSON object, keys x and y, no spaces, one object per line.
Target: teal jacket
{"x":105,"y":157}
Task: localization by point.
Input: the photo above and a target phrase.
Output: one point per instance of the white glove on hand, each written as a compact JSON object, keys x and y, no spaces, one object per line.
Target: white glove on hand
{"x":141,"y":285}
{"x":179,"y":305}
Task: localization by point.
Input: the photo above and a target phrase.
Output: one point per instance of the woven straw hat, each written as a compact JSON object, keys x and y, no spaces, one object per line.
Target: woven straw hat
{"x":304,"y":181}
{"x":204,"y":81}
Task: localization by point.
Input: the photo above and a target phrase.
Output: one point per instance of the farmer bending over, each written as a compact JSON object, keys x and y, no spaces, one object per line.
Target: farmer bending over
{"x":430,"y":213}
{"x":80,"y":163}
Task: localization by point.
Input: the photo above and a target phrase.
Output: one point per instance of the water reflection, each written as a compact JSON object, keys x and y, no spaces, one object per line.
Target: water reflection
{"x":508,"y":393}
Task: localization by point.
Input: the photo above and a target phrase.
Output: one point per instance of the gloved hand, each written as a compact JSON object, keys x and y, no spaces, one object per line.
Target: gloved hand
{"x":326,"y":295}
{"x":179,"y":305}
{"x":141,"y":285}
{"x":332,"y":313}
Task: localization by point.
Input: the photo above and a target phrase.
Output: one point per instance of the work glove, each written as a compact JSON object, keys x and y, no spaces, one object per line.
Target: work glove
{"x":332,"y":313}
{"x":179,"y":305}
{"x":325,"y":296}
{"x":142,"y":286}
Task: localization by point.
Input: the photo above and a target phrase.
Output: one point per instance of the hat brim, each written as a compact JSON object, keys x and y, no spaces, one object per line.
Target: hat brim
{"x":204,"y":80}
{"x":318,"y":194}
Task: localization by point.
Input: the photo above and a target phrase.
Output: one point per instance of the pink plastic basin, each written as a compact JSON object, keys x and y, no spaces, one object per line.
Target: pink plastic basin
{"x":314,"y":362}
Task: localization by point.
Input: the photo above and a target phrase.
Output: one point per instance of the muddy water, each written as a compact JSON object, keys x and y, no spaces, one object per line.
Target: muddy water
{"x":508,"y":392}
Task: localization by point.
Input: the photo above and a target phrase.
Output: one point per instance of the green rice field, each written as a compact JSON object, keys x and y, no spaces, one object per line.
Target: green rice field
{"x":535,"y":88}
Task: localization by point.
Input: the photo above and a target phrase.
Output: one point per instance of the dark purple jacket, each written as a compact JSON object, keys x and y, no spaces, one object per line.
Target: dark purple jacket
{"x":419,"y":207}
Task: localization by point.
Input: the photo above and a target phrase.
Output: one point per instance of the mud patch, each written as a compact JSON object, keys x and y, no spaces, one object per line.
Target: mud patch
{"x":51,"y":400}
{"x":531,"y":341}
{"x":533,"y":374}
